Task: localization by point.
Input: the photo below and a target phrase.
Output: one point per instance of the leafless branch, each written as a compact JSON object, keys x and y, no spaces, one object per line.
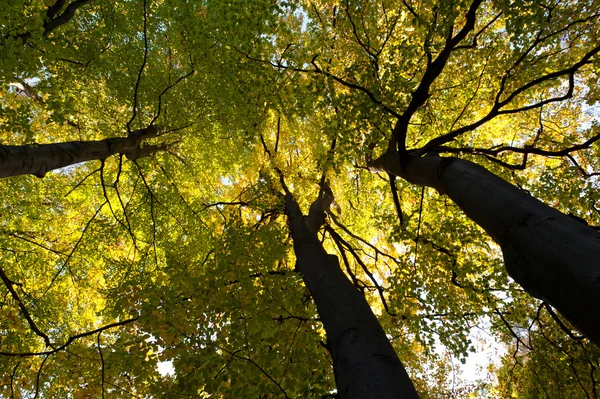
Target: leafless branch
{"x":433,"y":70}
{"x":102,"y":362}
{"x":70,"y":340}
{"x":32,"y":325}
{"x":66,"y":262}
{"x":497,"y":108}
{"x":169,"y":87}
{"x":336,"y":237}
{"x":396,"y":198}
{"x":37,"y":378}
{"x":141,"y":71}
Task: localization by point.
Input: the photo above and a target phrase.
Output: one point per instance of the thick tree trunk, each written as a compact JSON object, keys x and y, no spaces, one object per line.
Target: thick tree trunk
{"x":364,"y":362}
{"x":553,"y":256}
{"x":38,"y":159}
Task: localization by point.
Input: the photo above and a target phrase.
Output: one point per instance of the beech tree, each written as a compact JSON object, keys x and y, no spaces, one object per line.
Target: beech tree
{"x":37,"y":160}
{"x":180,"y":242}
{"x":364,"y":361}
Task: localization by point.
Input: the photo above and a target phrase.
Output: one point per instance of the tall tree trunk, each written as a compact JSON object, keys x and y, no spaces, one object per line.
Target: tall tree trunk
{"x":553,"y":256}
{"x":38,"y":159}
{"x":364,"y":362}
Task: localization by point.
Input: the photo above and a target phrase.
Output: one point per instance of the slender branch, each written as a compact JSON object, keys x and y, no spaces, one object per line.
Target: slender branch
{"x":580,"y":168}
{"x":70,"y":340}
{"x":82,"y":180}
{"x":265,"y":147}
{"x":362,"y":240}
{"x":10,"y":286}
{"x":234,"y":354}
{"x":396,"y":198}
{"x":320,"y":71}
{"x":355,"y":281}
{"x":169,"y":87}
{"x":66,"y":262}
{"x":418,"y":228}
{"x":139,"y":76}
{"x":102,"y":361}
{"x":521,"y":150}
{"x":12,"y":379}
{"x":497,"y":110}
{"x":512,"y":332}
{"x":433,"y":70}
{"x":337,"y":237}
{"x":15,"y":235}
{"x":364,"y":46}
{"x":37,"y":378}
{"x":411,"y":10}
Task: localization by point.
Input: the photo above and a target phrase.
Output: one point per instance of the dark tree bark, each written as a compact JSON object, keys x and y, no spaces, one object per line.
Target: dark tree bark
{"x":38,"y":159}
{"x":53,"y":20}
{"x":553,"y":256}
{"x":364,"y":362}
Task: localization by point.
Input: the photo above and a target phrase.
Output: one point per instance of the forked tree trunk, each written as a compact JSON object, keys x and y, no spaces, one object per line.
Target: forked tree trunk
{"x":364,"y":362}
{"x":38,"y":159}
{"x":553,"y":256}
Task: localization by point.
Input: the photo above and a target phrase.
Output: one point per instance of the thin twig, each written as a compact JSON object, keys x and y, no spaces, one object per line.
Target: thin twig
{"x":141,"y":71}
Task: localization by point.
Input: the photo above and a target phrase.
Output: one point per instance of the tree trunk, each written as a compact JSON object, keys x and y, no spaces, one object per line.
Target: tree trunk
{"x":364,"y":362}
{"x":37,"y":159}
{"x":553,"y":256}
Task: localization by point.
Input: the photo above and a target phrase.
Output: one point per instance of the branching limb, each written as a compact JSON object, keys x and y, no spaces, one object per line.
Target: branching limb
{"x":54,"y":21}
{"x":520,"y":150}
{"x":497,"y":108}
{"x":70,"y":340}
{"x":141,"y":71}
{"x":63,"y":18}
{"x":377,"y":251}
{"x":338,"y":239}
{"x":510,"y":329}
{"x":169,"y":87}
{"x":342,"y":252}
{"x":10,"y":287}
{"x":318,"y":70}
{"x":262,"y":370}
{"x":433,"y":70}
{"x":66,"y":262}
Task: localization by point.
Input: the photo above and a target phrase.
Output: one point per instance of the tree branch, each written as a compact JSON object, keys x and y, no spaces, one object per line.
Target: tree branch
{"x":10,"y":286}
{"x":499,"y":104}
{"x":71,"y":339}
{"x":433,"y":70}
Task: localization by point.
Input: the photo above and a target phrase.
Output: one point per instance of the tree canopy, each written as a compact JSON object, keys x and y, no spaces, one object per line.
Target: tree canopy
{"x":169,"y":242}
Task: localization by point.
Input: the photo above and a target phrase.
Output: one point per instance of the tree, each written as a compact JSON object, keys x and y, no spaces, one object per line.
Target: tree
{"x":364,"y":361}
{"x":37,"y":159}
{"x":552,"y":255}
{"x":185,"y":256}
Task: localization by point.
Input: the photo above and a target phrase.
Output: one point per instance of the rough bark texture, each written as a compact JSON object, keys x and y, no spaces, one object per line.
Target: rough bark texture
{"x":364,"y":362}
{"x":38,"y":159}
{"x":553,"y":256}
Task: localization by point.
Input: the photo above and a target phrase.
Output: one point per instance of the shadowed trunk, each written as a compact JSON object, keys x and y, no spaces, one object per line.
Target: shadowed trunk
{"x":553,"y":256}
{"x":364,"y":362}
{"x":38,"y":159}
